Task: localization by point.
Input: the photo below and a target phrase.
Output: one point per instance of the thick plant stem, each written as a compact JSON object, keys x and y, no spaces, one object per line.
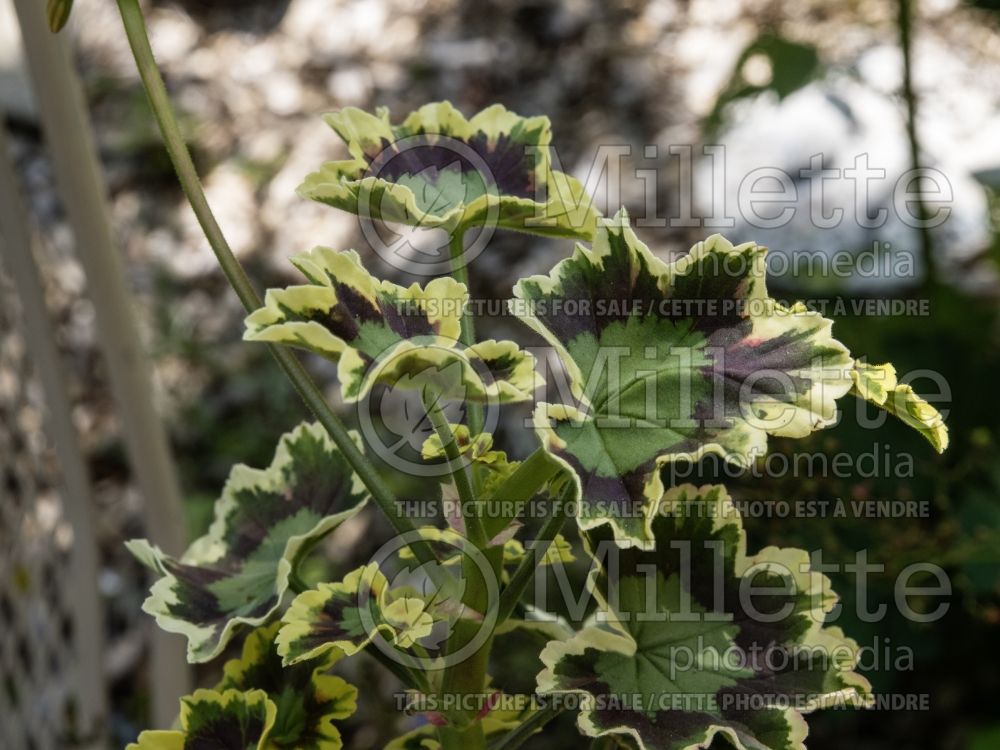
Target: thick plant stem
{"x":471,"y":738}
{"x":473,"y":523}
{"x":528,"y":477}
{"x":135,"y":28}
{"x":460,"y":272}
{"x":511,"y":594}
{"x":468,"y":676}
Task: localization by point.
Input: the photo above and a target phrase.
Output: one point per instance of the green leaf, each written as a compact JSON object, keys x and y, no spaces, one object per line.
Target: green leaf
{"x":229,"y":720}
{"x":344,"y":617}
{"x":379,"y":332}
{"x":792,"y":65}
{"x":878,"y":384}
{"x":308,"y":702}
{"x":680,"y":653}
{"x":671,"y":360}
{"x":57,"y":13}
{"x":440,"y":170}
{"x":265,"y":521}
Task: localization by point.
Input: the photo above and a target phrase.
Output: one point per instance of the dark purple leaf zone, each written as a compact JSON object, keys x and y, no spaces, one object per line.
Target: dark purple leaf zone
{"x":673,"y":729}
{"x":713,"y":295}
{"x":232,"y":576}
{"x":338,"y":618}
{"x":316,"y":483}
{"x":197,"y":602}
{"x":745,"y":369}
{"x":303,"y":712}
{"x":589,"y":297}
{"x":503,"y":366}
{"x":504,"y":166}
{"x":404,"y":318}
{"x":781,"y":667}
{"x":616,"y":498}
{"x":355,"y":316}
{"x":235,"y":726}
{"x":670,"y":722}
{"x":689,"y":544}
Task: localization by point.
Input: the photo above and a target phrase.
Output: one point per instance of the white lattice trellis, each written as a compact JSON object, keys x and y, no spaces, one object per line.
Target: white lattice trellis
{"x":52,"y":691}
{"x":46,"y":699}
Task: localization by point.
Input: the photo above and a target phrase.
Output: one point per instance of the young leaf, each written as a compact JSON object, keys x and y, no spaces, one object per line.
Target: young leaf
{"x":672,"y":360}
{"x":264,"y":522}
{"x":448,"y":543}
{"x":695,"y":639}
{"x":344,"y":617}
{"x":478,"y":449}
{"x":229,"y":720}
{"x":379,"y":332}
{"x":307,"y":701}
{"x":878,"y":384}
{"x":490,"y":467}
{"x":438,"y":169}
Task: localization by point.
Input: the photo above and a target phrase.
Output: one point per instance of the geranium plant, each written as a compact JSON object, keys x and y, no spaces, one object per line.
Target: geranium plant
{"x":666,"y":362}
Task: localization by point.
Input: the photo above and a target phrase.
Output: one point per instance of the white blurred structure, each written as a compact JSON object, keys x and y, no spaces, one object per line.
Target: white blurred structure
{"x":842,"y":117}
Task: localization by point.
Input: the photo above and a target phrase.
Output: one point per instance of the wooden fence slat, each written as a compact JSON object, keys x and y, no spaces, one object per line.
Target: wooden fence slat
{"x":70,"y":142}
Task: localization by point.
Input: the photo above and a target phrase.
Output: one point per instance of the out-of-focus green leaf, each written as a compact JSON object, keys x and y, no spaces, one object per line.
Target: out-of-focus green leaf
{"x":793,"y":65}
{"x":57,"y":12}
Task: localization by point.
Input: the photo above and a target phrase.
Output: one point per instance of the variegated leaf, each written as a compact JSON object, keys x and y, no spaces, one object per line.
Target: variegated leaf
{"x":673,"y":360}
{"x":308,"y":701}
{"x":380,"y":332}
{"x":878,"y":384}
{"x":265,"y":521}
{"x":345,"y":617}
{"x":683,"y":651}
{"x":212,"y":720}
{"x":439,"y":169}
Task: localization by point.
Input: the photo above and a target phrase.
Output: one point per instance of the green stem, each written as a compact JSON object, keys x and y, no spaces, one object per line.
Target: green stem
{"x":295,"y":582}
{"x":520,"y":734}
{"x":466,"y":739}
{"x":409,"y":677}
{"x":135,"y":28}
{"x":905,"y":20}
{"x":470,"y":676}
{"x":460,"y":272}
{"x":529,"y":477}
{"x":519,"y":581}
{"x":473,"y":523}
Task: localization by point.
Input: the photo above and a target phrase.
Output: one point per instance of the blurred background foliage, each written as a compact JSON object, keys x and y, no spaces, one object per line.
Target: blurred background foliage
{"x":774,"y":81}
